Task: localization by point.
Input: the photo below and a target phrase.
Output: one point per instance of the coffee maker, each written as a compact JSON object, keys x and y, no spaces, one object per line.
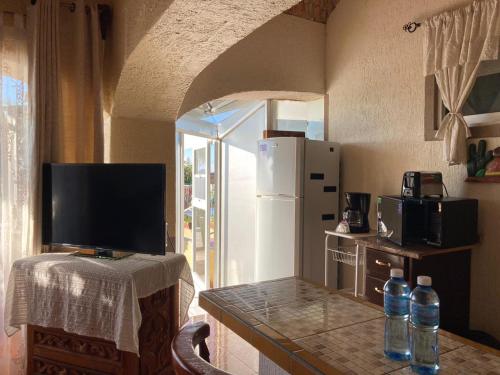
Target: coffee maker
{"x":356,"y":212}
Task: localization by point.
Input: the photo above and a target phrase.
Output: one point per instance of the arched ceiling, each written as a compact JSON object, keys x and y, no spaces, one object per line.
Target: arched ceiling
{"x":187,"y":37}
{"x":285,"y":54}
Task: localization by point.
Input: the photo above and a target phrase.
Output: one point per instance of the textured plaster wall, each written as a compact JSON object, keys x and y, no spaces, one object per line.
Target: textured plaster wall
{"x":287,"y":53}
{"x":132,"y":19}
{"x":186,"y":38}
{"x":376,"y":88}
{"x":146,"y":141}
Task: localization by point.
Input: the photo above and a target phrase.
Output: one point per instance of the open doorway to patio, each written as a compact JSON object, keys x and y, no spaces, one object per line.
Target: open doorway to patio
{"x":217,"y":147}
{"x":216,"y":156}
{"x":199,"y":224}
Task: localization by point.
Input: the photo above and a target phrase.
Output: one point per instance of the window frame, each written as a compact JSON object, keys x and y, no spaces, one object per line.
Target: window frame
{"x":484,"y":125}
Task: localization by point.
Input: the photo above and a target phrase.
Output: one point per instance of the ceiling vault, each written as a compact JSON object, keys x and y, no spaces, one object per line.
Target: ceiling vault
{"x":313,"y":10}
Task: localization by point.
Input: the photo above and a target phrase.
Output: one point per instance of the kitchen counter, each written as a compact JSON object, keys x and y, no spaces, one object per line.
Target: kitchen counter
{"x":308,"y":329}
{"x":415,"y":251}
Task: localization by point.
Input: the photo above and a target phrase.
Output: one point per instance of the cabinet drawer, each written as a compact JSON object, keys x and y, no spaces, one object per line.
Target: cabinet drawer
{"x":379,"y":264}
{"x":375,"y":290}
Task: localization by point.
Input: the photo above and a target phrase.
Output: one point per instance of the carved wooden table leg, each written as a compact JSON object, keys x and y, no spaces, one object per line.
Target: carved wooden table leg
{"x":54,"y":351}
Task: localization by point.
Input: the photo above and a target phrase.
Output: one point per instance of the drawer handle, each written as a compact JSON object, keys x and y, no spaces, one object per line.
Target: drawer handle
{"x":383,"y":264}
{"x":379,"y":291}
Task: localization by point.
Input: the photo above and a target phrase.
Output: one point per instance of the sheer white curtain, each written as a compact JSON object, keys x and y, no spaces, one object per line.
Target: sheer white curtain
{"x":16,"y":171}
{"x":455,"y":43}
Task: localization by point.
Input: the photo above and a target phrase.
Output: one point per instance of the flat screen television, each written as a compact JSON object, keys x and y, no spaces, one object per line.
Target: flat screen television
{"x":105,"y":206}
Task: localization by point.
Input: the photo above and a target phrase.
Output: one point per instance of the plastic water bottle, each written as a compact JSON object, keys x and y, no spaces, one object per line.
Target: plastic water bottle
{"x":397,"y":309}
{"x":424,"y":323}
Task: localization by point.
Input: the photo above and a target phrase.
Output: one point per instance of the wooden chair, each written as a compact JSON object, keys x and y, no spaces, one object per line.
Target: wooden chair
{"x":184,"y":358}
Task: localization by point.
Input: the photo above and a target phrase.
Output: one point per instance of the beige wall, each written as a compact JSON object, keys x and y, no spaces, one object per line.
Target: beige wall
{"x":374,"y":79}
{"x":132,"y":19}
{"x":185,"y":39}
{"x":285,"y":54}
{"x":143,"y":141}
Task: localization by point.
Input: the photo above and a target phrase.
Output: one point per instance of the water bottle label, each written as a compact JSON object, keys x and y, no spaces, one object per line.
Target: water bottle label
{"x":427,"y":315}
{"x":396,"y":305}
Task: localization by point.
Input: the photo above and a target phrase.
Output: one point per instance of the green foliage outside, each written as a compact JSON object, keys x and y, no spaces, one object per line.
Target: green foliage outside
{"x":188,"y":173}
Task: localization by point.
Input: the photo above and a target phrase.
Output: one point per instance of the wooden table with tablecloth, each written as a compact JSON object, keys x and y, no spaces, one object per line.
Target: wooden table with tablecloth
{"x":88,"y":315}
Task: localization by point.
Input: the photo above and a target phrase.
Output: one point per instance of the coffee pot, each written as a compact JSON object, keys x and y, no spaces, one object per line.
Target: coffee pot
{"x":356,"y":212}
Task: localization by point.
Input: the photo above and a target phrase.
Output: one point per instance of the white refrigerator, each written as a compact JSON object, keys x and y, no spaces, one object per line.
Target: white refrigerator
{"x":297,"y":200}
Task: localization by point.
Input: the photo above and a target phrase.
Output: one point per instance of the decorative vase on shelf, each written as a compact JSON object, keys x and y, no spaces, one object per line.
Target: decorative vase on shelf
{"x":478,"y":159}
{"x":493,"y":167}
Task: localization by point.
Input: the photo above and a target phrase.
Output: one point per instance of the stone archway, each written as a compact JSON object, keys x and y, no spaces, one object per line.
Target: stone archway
{"x":186,"y":38}
{"x":160,"y":47}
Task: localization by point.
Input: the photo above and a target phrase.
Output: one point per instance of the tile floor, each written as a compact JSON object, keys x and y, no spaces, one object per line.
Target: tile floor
{"x":228,"y":351}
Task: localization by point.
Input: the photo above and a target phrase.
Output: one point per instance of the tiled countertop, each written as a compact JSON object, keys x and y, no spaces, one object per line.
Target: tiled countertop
{"x":308,"y":329}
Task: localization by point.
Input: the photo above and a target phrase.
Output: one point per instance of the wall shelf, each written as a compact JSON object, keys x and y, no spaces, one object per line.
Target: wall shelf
{"x":485,"y":179}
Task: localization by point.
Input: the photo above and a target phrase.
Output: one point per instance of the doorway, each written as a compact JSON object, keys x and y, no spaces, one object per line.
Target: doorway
{"x":198,"y":232}
{"x":216,"y":154}
{"x":216,"y":175}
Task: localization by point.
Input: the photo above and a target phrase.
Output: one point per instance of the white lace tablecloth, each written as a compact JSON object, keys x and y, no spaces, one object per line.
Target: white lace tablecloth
{"x":92,"y":297}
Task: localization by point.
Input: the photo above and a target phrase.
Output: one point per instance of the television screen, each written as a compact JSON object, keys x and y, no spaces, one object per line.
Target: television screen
{"x":105,"y":206}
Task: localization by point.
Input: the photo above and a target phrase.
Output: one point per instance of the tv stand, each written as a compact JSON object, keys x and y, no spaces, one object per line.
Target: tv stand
{"x":102,"y":254}
{"x":54,"y":351}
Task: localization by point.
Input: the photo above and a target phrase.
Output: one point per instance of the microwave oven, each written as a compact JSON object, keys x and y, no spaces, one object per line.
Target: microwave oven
{"x":441,"y":222}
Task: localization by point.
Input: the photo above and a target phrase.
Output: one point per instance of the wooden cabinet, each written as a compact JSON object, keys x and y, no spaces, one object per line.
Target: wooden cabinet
{"x":54,"y":351}
{"x":379,"y":263}
{"x":375,"y":290}
{"x":449,"y":269}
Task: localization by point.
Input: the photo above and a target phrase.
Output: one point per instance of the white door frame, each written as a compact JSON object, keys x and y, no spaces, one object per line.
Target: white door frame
{"x":217,"y":208}
{"x":201,"y":204}
{"x":179,"y":230}
{"x":179,"y":192}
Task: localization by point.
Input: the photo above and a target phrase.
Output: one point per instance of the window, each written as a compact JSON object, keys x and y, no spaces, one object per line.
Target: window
{"x":16,"y":170}
{"x":304,"y":116}
{"x":481,"y":110}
